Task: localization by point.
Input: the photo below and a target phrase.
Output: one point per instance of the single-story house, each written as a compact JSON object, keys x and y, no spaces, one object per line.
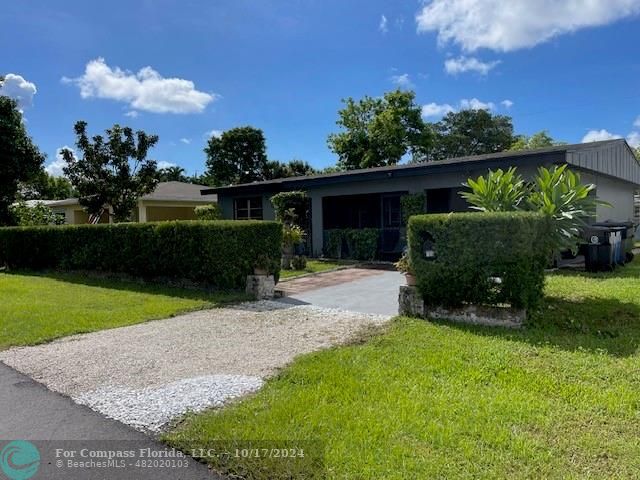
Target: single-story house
{"x":169,"y":201}
{"x":371,"y":197}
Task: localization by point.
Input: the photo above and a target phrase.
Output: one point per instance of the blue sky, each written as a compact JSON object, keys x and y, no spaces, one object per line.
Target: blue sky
{"x":570,"y":67}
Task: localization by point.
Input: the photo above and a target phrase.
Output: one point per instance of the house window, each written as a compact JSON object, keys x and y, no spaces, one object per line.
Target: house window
{"x":248,"y":208}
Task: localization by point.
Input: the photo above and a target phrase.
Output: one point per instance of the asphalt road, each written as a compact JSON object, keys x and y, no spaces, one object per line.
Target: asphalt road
{"x":29,"y":411}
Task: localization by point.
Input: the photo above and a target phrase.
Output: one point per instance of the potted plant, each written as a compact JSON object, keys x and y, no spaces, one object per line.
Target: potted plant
{"x":292,"y":235}
{"x":404,"y":266}
{"x":262,"y":265}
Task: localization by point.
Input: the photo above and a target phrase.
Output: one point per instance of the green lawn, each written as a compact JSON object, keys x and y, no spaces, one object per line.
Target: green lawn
{"x":38,"y":308}
{"x":560,"y":399}
{"x":313,"y":266}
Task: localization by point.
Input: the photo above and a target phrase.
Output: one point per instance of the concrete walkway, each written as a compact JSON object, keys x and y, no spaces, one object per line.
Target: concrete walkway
{"x":358,"y":290}
{"x":30,"y":411}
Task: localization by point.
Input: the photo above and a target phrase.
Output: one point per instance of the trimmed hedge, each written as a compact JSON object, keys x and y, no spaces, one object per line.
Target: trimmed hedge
{"x":220,"y":253}
{"x":353,"y":243}
{"x":472,"y":250}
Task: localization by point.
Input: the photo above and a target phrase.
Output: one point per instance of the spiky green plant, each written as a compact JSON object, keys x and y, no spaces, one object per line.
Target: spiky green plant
{"x":498,"y":191}
{"x":558,"y":193}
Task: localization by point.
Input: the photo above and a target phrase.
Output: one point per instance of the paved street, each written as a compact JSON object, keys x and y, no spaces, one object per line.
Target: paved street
{"x":31,"y":412}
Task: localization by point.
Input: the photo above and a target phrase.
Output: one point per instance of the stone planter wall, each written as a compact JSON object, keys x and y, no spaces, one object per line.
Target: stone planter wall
{"x":261,"y":287}
{"x":411,"y":303}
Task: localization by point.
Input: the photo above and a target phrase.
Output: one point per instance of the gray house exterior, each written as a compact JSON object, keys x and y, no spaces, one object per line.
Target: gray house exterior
{"x":371,"y":197}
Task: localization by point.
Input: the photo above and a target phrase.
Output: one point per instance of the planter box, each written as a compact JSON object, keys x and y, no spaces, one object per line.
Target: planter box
{"x":261,"y":287}
{"x":411,"y":303}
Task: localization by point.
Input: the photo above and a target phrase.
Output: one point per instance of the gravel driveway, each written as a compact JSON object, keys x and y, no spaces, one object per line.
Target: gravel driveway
{"x":145,"y":375}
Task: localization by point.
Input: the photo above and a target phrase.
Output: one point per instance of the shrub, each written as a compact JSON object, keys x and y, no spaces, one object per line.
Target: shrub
{"x":412,"y":204}
{"x":220,"y":253}
{"x":209,"y":212}
{"x":297,"y":200}
{"x":38,"y":214}
{"x":498,"y":191}
{"x":355,"y":243}
{"x":299,"y":262}
{"x":557,"y":193}
{"x":480,"y":258}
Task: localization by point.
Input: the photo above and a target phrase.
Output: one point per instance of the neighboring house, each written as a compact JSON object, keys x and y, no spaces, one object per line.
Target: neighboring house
{"x":169,"y":201}
{"x":371,"y":197}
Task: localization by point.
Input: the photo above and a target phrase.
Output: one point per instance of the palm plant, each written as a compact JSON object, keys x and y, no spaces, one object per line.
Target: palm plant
{"x":560,"y":195}
{"x":499,"y":191}
{"x":557,"y":193}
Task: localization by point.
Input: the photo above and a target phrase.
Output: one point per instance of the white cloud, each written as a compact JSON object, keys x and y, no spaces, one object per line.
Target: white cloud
{"x":383,"y":26}
{"x":55,"y":167}
{"x":637,"y":122}
{"x":506,"y":26}
{"x":186,"y":141}
{"x":163,"y":164}
{"x":436,"y":110}
{"x":213,"y":133}
{"x":634,"y":139}
{"x":146,"y":90}
{"x":402,"y":81}
{"x":131,"y":114}
{"x":16,"y":87}
{"x":599,"y":135}
{"x":506,"y":104}
{"x":454,"y":66}
{"x":475,"y":104}
{"x":432,"y":110}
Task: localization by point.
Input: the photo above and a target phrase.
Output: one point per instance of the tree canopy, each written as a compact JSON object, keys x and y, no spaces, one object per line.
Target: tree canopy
{"x":173,"y":174}
{"x":20,"y":159}
{"x":380,"y":131}
{"x":237,"y":156}
{"x":113,"y":170}
{"x":471,"y":132}
{"x":294,"y":168}
{"x":540,"y":139}
{"x":43,"y":186}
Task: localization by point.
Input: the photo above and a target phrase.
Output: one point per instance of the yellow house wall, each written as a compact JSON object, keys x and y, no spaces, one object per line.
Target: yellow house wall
{"x":159,"y":214}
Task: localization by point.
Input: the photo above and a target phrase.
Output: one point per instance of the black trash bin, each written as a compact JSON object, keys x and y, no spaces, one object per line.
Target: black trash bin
{"x":628,"y":231}
{"x":599,"y":253}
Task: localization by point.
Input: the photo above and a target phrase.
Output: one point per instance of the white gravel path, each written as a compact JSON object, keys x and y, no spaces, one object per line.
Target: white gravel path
{"x":152,"y":408}
{"x":147,"y":374}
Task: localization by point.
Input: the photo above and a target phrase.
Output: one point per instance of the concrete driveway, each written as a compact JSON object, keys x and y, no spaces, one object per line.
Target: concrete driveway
{"x":355,"y":290}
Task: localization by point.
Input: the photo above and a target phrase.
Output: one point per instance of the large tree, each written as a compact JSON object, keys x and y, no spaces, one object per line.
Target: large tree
{"x":237,"y":156}
{"x":113,"y":170}
{"x":471,"y":132}
{"x":380,"y":131}
{"x":294,"y":168}
{"x":541,"y":139}
{"x":43,"y":186}
{"x":20,"y":159}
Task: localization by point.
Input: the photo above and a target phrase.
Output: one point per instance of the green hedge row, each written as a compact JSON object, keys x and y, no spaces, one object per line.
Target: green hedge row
{"x":220,"y":253}
{"x":353,"y":243}
{"x":480,"y":258}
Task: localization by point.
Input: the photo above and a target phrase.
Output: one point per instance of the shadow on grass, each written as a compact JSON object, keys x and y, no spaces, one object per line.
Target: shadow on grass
{"x":590,"y":324}
{"x":126,"y":283}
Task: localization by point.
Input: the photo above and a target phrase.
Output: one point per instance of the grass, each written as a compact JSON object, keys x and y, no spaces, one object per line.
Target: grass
{"x":37,"y":308}
{"x":560,"y":399}
{"x":313,"y":266}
